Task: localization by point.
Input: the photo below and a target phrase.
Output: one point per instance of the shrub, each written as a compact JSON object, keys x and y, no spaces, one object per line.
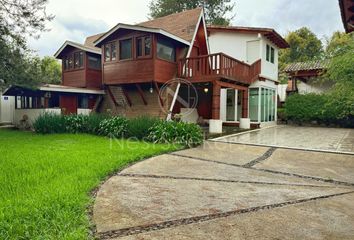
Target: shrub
{"x":305,"y":108}
{"x":49,"y":123}
{"x":186,"y":134}
{"x":76,"y":123}
{"x":93,"y":123}
{"x":113,"y":127}
{"x":139,"y":127}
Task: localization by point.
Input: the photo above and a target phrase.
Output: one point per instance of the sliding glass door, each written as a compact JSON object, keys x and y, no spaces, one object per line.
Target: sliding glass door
{"x":262,"y":104}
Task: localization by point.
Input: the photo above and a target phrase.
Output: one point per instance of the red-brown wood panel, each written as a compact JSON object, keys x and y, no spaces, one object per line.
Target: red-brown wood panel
{"x":164,"y":70}
{"x":75,"y":78}
{"x":130,"y":71}
{"x":68,"y":104}
{"x":93,"y":78}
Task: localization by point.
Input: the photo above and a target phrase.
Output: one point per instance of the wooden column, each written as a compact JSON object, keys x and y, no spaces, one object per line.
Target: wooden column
{"x":215,"y":106}
{"x":245,"y":104}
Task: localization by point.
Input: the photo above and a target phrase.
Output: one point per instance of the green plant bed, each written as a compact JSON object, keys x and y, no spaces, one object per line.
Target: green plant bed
{"x":46,"y":180}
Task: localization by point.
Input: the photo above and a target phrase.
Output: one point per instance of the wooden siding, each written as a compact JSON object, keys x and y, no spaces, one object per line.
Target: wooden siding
{"x":74,"y":78}
{"x":164,"y":70}
{"x":129,"y":71}
{"x":93,"y":78}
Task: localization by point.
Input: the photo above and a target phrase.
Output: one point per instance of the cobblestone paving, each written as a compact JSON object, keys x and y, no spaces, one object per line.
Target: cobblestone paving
{"x":230,"y":191}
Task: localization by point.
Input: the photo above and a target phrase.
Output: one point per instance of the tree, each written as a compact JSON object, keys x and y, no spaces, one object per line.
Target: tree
{"x":304,"y":46}
{"x":19,"y":19}
{"x":215,"y":10}
{"x":50,"y":70}
{"x":338,"y":43}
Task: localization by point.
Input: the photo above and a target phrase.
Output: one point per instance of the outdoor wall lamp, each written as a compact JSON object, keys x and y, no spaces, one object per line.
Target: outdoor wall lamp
{"x":206,"y":90}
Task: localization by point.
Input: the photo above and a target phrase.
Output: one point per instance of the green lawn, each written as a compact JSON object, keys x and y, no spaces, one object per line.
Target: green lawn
{"x":46,"y":180}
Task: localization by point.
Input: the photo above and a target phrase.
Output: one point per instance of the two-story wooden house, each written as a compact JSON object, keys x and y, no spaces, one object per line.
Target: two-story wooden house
{"x":232,"y":71}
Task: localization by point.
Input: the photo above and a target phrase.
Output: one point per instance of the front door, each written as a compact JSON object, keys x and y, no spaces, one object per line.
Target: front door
{"x":68,"y":104}
{"x":228,"y":105}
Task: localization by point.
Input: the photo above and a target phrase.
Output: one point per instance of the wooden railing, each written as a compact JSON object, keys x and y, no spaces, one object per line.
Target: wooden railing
{"x":219,"y":65}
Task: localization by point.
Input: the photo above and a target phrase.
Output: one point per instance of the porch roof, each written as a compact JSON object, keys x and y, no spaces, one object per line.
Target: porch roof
{"x":18,"y":90}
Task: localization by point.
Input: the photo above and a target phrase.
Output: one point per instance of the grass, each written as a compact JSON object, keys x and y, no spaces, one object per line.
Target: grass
{"x":46,"y":180}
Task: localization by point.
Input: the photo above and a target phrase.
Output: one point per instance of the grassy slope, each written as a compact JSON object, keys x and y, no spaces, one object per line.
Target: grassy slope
{"x":46,"y":180}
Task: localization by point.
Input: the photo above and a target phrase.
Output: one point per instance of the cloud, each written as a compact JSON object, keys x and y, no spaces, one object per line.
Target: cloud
{"x":77,"y":19}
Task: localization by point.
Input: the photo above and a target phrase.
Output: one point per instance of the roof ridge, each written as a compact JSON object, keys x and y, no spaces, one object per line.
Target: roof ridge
{"x":171,"y":15}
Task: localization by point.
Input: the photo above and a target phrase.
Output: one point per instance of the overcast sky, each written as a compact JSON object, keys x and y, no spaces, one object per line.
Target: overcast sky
{"x":76,"y":19}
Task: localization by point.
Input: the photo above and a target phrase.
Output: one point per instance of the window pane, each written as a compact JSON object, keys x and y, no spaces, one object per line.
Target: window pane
{"x":76,"y":60}
{"x":267,"y":53}
{"x":125,"y":49}
{"x":107,"y":53}
{"x":272,"y":55}
{"x":114,"y":51}
{"x":66,"y":63}
{"x":147,"y":45}
{"x":83,"y":102}
{"x":166,"y":50}
{"x":71,"y":62}
{"x":139,"y":47}
{"x":94,"y":62}
{"x":81,"y":60}
{"x":254,"y":100}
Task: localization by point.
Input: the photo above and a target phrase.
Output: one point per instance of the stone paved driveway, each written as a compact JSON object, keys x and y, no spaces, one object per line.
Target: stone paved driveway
{"x":316,"y":138}
{"x":230,"y":191}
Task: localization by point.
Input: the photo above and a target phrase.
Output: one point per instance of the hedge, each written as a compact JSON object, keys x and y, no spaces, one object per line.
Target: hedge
{"x":326,"y":108}
{"x":140,"y":128}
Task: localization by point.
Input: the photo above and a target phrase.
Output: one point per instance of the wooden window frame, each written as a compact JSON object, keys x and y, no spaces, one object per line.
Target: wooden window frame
{"x":162,"y":59}
{"x":132,"y":52}
{"x":144,"y":55}
{"x":72,"y":55}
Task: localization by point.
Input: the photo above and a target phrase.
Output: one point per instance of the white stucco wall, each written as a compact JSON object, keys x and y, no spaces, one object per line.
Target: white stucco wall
{"x":84,"y":111}
{"x":269,"y":70}
{"x":246,"y":47}
{"x":7,"y":107}
{"x":232,"y":44}
{"x":32,"y":114}
{"x":312,"y":87}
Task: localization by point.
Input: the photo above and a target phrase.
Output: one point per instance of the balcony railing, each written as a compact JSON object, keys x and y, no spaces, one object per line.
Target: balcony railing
{"x":219,"y":65}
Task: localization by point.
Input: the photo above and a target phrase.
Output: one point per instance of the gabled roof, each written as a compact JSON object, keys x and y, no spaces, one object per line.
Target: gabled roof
{"x":347,"y":12}
{"x":181,"y":24}
{"x":86,"y":48}
{"x":269,"y":33}
{"x":139,"y":28}
{"x":307,"y":66}
{"x":91,"y":39}
{"x":178,"y":26}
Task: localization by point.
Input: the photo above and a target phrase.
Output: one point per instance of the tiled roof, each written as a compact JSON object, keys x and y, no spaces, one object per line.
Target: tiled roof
{"x":269,"y":33}
{"x":306,"y":66}
{"x":181,"y":24}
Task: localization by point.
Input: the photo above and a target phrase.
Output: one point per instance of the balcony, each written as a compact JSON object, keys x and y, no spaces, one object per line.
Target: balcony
{"x":218,"y":66}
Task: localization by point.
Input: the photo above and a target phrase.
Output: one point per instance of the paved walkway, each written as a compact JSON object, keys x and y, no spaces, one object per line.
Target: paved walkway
{"x":317,"y":138}
{"x":230,"y":191}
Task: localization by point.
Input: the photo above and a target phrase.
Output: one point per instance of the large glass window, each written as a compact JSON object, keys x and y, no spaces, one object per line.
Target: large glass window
{"x":166,"y":50}
{"x":125,"y":49}
{"x":94,"y":62}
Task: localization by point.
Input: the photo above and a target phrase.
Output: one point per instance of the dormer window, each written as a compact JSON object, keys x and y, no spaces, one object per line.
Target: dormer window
{"x":270,"y":54}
